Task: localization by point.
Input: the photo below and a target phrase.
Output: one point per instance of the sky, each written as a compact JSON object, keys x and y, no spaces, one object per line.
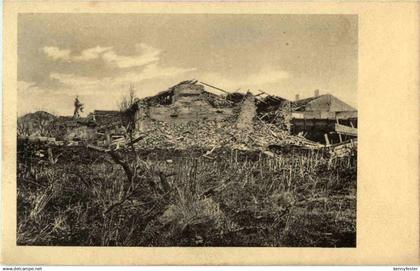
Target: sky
{"x":98,"y":56}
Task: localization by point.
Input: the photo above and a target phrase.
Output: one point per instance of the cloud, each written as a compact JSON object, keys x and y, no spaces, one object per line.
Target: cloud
{"x":146,"y":59}
{"x":73,"y":81}
{"x":95,"y":86}
{"x":91,"y":53}
{"x":98,"y":92}
{"x":56,"y":53}
{"x":145,"y":55}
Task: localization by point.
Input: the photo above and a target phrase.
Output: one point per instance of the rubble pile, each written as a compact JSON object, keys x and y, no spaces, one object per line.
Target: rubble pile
{"x":196,"y":118}
{"x":188,"y":116}
{"x":280,"y":117}
{"x":212,"y":134}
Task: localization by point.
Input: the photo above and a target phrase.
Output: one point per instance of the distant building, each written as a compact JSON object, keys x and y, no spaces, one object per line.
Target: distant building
{"x":323,"y":116}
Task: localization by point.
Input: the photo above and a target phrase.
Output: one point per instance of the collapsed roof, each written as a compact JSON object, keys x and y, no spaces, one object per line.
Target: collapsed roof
{"x":325,"y":102}
{"x":263,"y":100}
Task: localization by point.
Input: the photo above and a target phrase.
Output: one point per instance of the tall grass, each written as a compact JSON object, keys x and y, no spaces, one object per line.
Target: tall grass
{"x":232,"y":199}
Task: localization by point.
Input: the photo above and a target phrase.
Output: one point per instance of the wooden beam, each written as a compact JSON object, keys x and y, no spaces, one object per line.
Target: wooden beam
{"x":345,"y":130}
{"x":222,"y":90}
{"x":263,"y":92}
{"x":260,"y":100}
{"x":269,"y":95}
{"x":327,"y":141}
{"x":339,"y":136}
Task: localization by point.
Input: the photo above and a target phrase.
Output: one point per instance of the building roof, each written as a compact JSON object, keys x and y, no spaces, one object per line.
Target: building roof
{"x":184,"y":87}
{"x":326,"y":103}
{"x":106,"y":112}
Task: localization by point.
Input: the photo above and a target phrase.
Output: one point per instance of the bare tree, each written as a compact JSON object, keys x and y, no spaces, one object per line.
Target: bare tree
{"x":129,"y":159}
{"x":128,"y":100}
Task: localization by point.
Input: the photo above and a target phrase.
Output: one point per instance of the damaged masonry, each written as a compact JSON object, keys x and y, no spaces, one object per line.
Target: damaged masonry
{"x":188,"y":115}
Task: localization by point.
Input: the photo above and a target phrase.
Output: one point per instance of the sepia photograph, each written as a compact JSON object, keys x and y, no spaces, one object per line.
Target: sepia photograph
{"x":187,"y":130}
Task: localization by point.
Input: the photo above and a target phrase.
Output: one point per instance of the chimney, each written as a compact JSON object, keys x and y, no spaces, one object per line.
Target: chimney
{"x":296,"y":97}
{"x":316,"y":93}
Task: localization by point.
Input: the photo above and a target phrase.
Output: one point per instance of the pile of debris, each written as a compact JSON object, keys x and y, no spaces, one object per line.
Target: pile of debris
{"x":187,"y":116}
{"x":209,"y":135}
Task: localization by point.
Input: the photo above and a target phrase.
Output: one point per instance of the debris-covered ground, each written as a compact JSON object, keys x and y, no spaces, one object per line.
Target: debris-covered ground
{"x":212,"y":134}
{"x":75,"y":196}
{"x":185,"y":167}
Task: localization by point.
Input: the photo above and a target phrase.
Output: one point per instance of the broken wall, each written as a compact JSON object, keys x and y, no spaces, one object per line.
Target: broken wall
{"x":247,"y":114}
{"x":189,"y":103}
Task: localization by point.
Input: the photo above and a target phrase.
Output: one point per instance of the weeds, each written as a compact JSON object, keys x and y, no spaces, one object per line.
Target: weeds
{"x":84,"y":199}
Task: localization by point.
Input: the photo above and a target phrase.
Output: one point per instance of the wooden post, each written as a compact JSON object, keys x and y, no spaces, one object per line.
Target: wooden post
{"x":327,"y":141}
{"x":341,"y":139}
{"x":108,"y":139}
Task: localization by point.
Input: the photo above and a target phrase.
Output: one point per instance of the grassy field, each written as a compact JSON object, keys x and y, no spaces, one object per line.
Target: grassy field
{"x":80,"y":197}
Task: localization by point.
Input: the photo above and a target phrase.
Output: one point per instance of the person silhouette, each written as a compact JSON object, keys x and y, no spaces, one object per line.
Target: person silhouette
{"x":78,"y":107}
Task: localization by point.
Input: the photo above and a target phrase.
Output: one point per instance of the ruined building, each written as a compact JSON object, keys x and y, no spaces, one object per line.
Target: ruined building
{"x":188,"y":115}
{"x":324,"y":118}
{"x":182,"y":103}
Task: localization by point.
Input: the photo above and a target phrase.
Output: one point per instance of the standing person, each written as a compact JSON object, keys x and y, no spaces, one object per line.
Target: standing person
{"x":78,"y":107}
